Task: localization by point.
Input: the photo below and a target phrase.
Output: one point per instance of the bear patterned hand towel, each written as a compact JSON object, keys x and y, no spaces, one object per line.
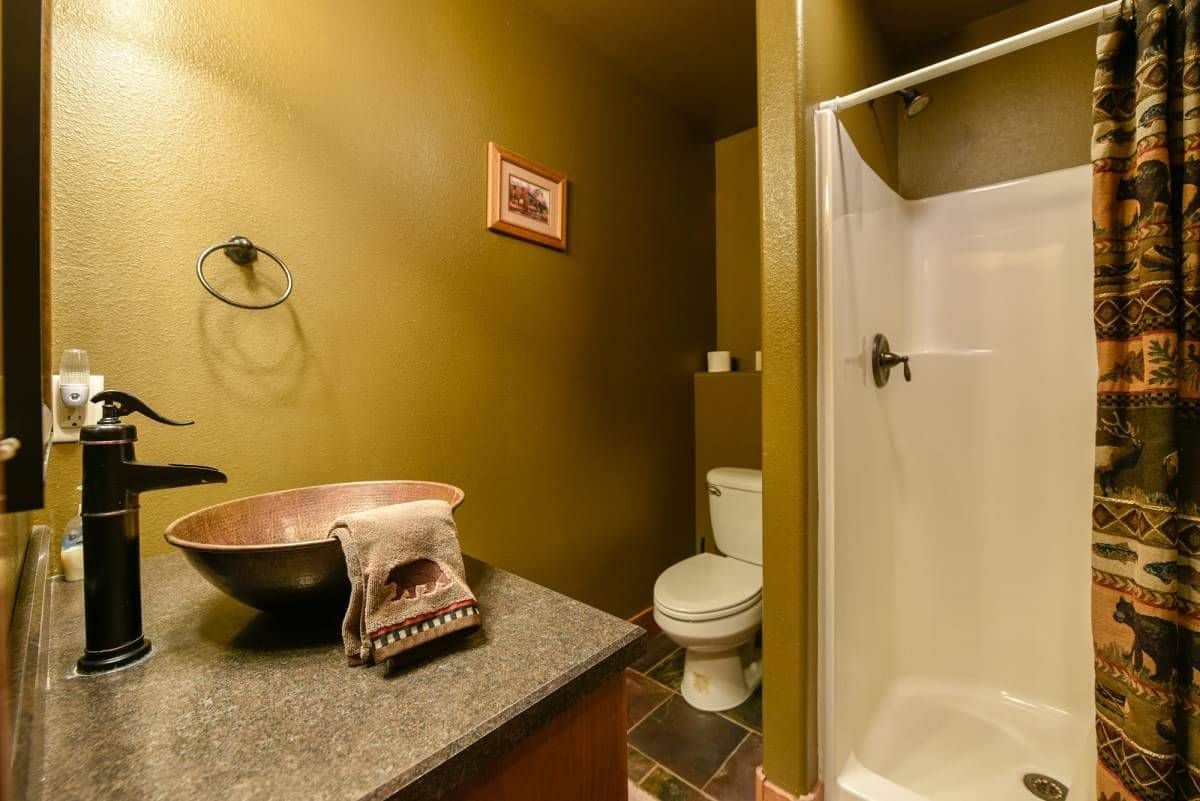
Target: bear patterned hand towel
{"x":408,"y":584}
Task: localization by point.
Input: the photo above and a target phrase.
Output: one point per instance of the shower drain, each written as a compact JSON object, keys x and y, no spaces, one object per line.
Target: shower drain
{"x":1044,"y":787}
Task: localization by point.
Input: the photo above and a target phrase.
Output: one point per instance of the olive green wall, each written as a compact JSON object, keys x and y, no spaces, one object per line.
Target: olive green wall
{"x":1020,"y":115}
{"x":739,"y":280}
{"x":809,"y":50}
{"x":728,"y":406}
{"x":350,"y":137}
{"x":728,"y":434}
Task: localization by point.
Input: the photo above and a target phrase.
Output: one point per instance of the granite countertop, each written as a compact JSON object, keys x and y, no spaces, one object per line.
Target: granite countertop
{"x":233,"y":704}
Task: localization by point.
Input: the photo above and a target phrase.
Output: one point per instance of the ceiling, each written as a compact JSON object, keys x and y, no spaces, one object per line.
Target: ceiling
{"x":698,"y":55}
{"x":905,"y":31}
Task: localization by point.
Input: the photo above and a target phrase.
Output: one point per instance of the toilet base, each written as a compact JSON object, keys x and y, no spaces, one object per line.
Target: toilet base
{"x":717,"y":680}
{"x":722,"y":667}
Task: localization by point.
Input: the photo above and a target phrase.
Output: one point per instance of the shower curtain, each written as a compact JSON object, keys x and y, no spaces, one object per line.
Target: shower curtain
{"x":1146,"y":511}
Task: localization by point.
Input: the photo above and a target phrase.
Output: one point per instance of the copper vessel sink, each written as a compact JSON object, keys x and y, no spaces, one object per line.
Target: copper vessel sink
{"x":274,"y":552}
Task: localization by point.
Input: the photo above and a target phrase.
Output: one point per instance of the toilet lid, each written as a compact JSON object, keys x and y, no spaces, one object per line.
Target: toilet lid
{"x":705,"y":584}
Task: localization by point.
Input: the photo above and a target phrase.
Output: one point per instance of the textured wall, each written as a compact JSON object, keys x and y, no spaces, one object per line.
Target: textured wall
{"x":739,"y":280}
{"x":554,"y":388}
{"x":809,"y":51}
{"x":1024,"y":114}
{"x":728,"y":434}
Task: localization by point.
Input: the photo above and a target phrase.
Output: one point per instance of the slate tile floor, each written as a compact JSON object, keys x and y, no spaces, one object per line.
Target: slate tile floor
{"x":677,"y":753}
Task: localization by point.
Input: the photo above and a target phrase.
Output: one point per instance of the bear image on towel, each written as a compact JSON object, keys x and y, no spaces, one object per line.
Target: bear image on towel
{"x":407,"y":579}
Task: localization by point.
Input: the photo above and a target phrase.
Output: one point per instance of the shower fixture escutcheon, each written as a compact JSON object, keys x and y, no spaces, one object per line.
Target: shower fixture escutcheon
{"x":883,"y":360}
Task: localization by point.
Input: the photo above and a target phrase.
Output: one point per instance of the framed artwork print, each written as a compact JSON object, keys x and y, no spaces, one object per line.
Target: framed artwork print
{"x":525,"y":199}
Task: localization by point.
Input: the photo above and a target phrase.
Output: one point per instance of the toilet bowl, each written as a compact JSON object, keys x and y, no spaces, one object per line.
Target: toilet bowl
{"x":711,"y":604}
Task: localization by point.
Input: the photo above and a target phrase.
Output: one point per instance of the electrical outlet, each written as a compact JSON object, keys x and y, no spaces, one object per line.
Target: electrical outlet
{"x":68,"y":419}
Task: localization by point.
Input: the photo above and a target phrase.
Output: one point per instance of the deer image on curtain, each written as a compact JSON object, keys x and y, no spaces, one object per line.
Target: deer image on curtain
{"x":1146,"y":512}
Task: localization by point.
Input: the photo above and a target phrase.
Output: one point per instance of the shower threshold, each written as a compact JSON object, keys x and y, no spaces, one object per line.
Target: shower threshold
{"x":939,"y":742}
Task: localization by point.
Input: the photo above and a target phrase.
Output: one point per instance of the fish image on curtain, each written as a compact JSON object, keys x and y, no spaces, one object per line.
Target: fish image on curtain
{"x":1146,"y":303}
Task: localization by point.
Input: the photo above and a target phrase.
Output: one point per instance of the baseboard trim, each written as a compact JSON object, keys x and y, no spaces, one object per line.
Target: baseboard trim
{"x":645,"y":619}
{"x":764,"y":790}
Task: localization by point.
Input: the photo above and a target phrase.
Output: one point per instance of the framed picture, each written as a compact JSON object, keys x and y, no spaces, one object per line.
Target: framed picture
{"x":525,"y":199}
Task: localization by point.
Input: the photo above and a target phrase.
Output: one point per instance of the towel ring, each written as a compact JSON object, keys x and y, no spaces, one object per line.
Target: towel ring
{"x":242,"y":251}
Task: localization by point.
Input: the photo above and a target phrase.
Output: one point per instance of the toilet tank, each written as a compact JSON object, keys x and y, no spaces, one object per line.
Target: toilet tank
{"x":735,"y":506}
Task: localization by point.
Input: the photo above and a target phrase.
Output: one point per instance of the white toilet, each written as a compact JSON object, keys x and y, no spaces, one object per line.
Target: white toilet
{"x":712,"y":605}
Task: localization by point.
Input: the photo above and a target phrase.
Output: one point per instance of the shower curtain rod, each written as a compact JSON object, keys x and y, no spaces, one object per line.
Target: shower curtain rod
{"x":1003,"y":47}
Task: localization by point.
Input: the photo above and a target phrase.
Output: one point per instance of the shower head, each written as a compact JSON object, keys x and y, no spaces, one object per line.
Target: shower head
{"x":915,"y":101}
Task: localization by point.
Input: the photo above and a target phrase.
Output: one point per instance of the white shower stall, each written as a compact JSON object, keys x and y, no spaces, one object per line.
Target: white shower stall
{"x":955,"y":633}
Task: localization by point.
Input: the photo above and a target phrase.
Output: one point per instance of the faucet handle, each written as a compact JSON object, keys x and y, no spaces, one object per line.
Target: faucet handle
{"x":883,"y":360}
{"x":118,"y":404}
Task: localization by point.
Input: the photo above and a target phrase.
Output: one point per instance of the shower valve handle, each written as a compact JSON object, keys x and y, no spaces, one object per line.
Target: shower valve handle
{"x":883,"y":360}
{"x":890,"y":360}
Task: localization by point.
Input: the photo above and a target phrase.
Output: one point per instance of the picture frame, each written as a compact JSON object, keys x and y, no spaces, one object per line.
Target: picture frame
{"x":526,"y":199}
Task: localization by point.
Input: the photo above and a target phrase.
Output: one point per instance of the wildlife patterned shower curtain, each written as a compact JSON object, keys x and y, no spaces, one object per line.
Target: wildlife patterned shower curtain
{"x":1146,"y":511}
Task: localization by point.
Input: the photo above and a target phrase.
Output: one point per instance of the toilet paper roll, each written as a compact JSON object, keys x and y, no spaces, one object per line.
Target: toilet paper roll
{"x":718,"y":361}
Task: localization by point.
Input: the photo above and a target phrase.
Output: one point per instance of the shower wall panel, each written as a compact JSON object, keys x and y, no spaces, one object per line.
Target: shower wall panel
{"x":955,"y":508}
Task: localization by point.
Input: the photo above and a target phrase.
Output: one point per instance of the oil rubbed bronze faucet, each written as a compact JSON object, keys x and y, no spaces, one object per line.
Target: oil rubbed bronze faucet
{"x":112,"y":568}
{"x":883,"y":360}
